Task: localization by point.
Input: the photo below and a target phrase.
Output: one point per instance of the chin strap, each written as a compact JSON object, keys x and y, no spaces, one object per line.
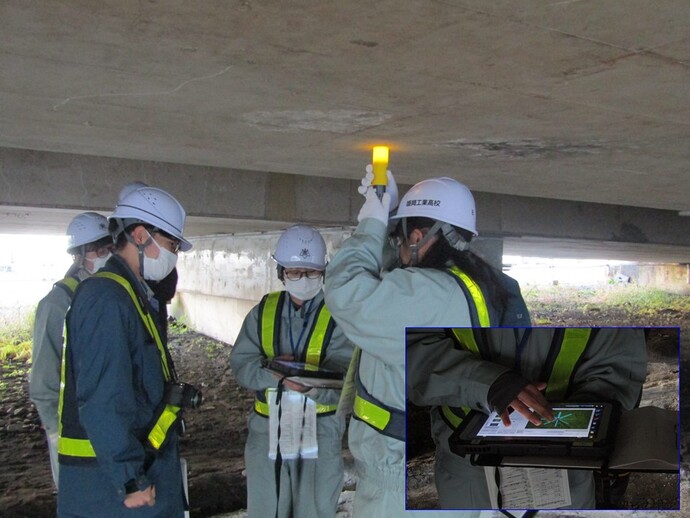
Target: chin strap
{"x":140,"y":250}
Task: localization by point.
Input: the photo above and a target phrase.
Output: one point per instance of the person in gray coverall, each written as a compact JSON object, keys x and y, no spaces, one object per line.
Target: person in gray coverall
{"x":293,"y":325}
{"x":90,"y":244}
{"x":458,"y":368}
{"x":436,"y":287}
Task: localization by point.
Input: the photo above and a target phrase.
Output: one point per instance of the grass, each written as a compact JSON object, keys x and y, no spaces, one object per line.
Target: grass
{"x":177,"y":327}
{"x":16,"y":340}
{"x":631,"y":298}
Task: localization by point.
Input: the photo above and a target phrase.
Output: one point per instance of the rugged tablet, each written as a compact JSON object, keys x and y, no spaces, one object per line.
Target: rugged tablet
{"x":578,"y":429}
{"x":305,"y":374}
{"x":304,"y":370}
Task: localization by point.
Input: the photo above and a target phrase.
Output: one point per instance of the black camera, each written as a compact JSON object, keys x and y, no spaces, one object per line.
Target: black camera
{"x":182,"y":395}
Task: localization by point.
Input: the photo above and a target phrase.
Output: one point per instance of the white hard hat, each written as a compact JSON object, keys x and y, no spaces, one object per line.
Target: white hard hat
{"x":442,"y":199}
{"x":128,"y":189}
{"x":301,"y":246}
{"x":154,"y":207}
{"x":86,"y":228}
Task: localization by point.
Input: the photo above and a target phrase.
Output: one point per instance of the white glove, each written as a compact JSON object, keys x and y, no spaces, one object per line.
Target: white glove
{"x":391,"y":188}
{"x":373,"y":207}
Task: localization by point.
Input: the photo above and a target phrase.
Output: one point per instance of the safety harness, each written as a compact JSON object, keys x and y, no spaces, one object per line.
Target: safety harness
{"x":73,"y":444}
{"x":270,"y":312}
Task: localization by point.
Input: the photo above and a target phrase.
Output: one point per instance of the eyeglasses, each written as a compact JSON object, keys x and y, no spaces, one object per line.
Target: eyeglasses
{"x":170,"y":243}
{"x":294,"y":275}
{"x":104,"y":251}
{"x":101,"y":251}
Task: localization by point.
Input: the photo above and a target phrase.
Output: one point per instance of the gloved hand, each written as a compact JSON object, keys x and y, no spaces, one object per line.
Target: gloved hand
{"x":373,"y":207}
{"x":511,"y":390}
{"x":391,"y":188}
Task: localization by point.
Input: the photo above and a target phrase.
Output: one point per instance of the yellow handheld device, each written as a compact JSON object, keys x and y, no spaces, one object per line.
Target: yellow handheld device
{"x":380,"y":164}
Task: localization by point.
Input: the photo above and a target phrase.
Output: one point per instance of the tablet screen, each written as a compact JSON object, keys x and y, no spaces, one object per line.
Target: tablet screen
{"x":581,"y":420}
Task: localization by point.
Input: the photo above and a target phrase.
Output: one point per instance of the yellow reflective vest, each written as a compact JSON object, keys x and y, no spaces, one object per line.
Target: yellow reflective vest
{"x":388,"y":420}
{"x":565,"y":353}
{"x":318,"y":338}
{"x":73,"y":444}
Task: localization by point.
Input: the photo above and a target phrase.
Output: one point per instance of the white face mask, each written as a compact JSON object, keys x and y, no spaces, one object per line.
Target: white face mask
{"x":97,"y":262}
{"x":159,"y":268}
{"x":304,"y":288}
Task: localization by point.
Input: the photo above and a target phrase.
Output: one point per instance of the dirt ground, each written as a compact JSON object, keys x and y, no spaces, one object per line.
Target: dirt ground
{"x":214,"y":443}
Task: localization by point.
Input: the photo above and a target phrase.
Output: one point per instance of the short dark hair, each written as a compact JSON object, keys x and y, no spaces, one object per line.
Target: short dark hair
{"x":95,"y":245}
{"x":121,"y":240}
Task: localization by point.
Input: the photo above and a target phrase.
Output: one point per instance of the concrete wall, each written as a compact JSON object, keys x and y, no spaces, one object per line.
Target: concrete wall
{"x":672,"y":277}
{"x":223,"y":277}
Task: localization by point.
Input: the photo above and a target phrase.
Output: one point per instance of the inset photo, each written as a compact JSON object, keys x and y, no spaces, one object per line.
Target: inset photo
{"x":542,"y":418}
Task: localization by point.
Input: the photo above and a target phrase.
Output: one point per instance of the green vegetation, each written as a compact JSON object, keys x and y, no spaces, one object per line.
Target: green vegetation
{"x":177,"y":327}
{"x":16,"y":340}
{"x":629,"y":298}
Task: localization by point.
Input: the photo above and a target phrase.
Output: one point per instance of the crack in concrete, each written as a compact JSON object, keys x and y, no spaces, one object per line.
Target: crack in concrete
{"x":141,"y":94}
{"x":525,"y":23}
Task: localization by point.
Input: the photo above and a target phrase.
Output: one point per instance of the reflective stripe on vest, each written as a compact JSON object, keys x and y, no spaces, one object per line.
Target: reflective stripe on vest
{"x":481,"y":319}
{"x":454,"y":415}
{"x":75,"y":447}
{"x":69,"y":285}
{"x":146,"y":318}
{"x":261,"y":406}
{"x":79,"y":447}
{"x":70,"y":446}
{"x":389,"y":421}
{"x":160,"y":430}
{"x":270,"y":313}
{"x":573,"y":345}
{"x":384,"y":418}
{"x":466,"y":338}
{"x":479,"y":315}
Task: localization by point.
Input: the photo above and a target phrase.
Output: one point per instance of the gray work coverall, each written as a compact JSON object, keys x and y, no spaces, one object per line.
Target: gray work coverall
{"x":374,"y":310}
{"x":46,"y":357}
{"x":308,"y":487}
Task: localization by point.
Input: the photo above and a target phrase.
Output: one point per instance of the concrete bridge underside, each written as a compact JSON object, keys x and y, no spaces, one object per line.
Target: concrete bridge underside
{"x":42,"y":191}
{"x":235,"y":217}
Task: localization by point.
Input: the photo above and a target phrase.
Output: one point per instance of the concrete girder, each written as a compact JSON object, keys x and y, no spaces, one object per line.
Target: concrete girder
{"x":43,"y":190}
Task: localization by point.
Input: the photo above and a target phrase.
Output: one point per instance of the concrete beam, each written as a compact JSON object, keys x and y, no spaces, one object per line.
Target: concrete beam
{"x":43,"y":190}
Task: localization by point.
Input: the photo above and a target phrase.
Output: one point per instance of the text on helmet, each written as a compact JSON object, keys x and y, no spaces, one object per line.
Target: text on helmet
{"x":432,"y":203}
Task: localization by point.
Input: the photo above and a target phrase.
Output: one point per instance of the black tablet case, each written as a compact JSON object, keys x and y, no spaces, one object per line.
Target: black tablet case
{"x":492,"y":449}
